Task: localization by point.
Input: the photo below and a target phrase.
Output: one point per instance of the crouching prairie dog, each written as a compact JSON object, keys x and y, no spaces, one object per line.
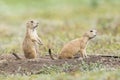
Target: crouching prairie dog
{"x":76,"y":46}
{"x":31,"y":40}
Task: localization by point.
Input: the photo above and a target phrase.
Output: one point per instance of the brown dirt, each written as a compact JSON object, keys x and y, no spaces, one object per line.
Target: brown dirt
{"x":9,"y":64}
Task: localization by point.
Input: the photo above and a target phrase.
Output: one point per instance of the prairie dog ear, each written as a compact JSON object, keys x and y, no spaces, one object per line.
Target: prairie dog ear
{"x":27,"y":22}
{"x":86,"y":34}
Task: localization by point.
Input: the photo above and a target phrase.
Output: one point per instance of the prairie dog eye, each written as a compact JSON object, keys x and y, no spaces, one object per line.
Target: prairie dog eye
{"x":31,"y":21}
{"x":91,"y":30}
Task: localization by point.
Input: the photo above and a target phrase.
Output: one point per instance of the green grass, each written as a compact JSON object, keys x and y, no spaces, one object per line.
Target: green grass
{"x":90,"y":75}
{"x":83,"y":67}
{"x":60,"y":22}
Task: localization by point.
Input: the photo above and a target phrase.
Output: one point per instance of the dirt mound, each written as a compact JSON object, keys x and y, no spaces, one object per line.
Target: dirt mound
{"x":9,"y":64}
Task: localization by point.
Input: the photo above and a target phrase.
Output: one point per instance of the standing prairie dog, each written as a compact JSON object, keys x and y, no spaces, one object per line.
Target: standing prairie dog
{"x":76,"y":46}
{"x":31,"y":40}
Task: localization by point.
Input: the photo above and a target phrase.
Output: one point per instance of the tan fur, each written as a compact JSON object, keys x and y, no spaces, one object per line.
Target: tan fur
{"x":31,"y":40}
{"x":76,"y":46}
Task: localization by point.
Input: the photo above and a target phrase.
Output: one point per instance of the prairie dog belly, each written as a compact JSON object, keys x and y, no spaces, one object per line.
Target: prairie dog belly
{"x":29,"y":49}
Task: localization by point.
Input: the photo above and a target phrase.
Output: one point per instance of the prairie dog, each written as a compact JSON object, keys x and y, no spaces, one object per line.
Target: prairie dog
{"x":76,"y":46}
{"x":31,"y":40}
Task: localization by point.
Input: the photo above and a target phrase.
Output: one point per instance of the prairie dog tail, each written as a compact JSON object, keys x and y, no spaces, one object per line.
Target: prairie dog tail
{"x":17,"y":57}
{"x":50,"y":54}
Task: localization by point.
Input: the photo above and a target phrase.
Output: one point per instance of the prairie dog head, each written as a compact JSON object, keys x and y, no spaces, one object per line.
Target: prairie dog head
{"x":90,"y":34}
{"x":32,"y":24}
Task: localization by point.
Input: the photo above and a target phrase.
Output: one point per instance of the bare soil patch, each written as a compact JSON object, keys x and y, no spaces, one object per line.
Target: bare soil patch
{"x":9,"y":64}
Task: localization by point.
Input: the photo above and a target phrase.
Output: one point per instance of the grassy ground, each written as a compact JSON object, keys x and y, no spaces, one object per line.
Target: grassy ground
{"x":60,"y":22}
{"x":96,"y":75}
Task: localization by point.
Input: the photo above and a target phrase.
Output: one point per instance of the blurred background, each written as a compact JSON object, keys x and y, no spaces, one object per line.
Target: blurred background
{"x":61,"y":21}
